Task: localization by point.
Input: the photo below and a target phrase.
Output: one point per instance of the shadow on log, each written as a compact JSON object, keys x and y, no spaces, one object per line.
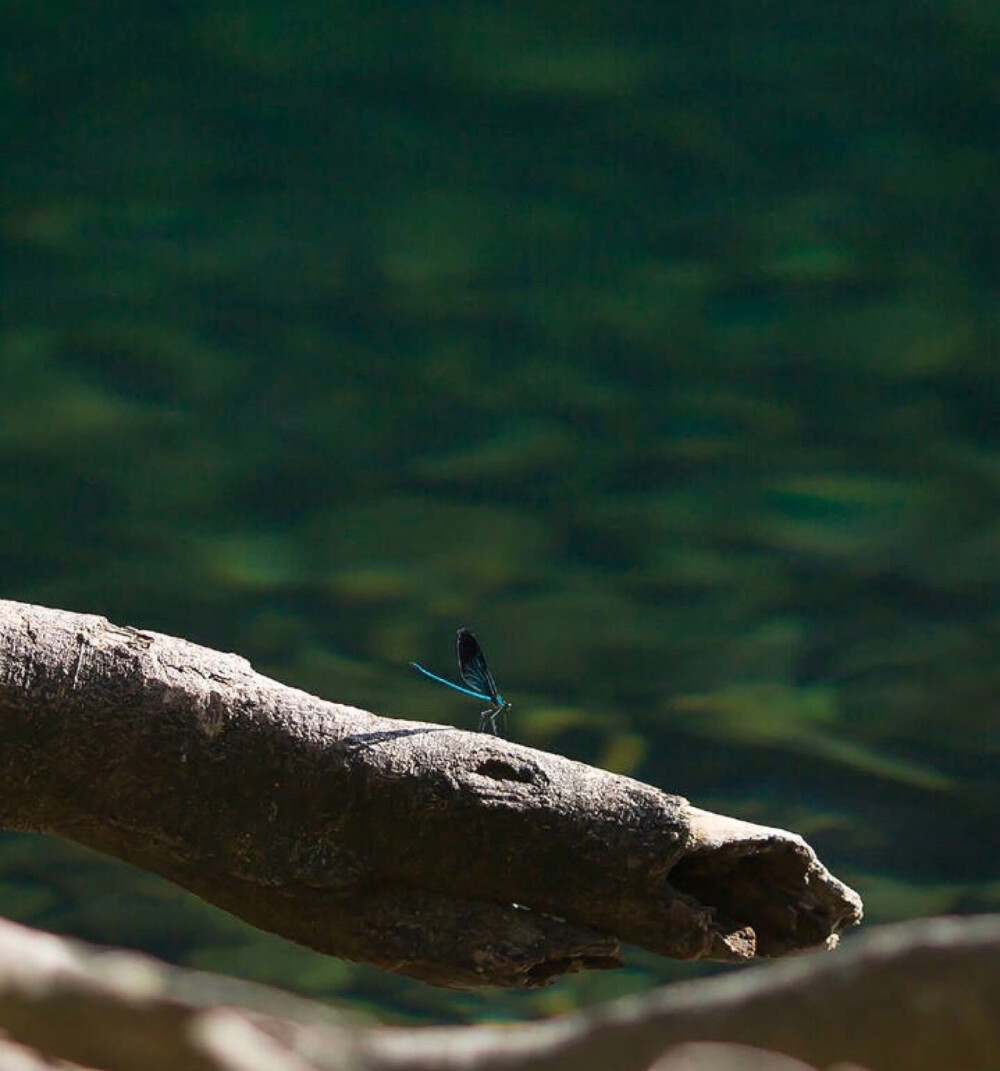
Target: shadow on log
{"x":453,"y":857}
{"x":919,"y":996}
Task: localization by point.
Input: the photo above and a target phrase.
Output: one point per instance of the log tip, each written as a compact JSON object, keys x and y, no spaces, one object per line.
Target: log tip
{"x":765,"y":880}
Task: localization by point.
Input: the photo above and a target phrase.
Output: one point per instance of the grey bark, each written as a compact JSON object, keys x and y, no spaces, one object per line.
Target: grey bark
{"x":918,"y":996}
{"x":454,"y":857}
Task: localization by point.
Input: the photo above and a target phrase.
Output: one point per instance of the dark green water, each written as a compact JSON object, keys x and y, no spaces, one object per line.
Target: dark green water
{"x":658,"y":343}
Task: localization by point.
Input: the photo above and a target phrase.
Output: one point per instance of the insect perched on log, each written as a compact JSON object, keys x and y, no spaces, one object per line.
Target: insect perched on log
{"x":475,"y":673}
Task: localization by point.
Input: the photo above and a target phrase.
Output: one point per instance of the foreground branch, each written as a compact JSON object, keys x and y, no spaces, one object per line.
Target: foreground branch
{"x":919,"y":996}
{"x":450,"y":856}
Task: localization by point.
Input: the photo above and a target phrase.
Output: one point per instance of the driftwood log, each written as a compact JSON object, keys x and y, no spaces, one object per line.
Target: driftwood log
{"x":918,"y":996}
{"x":454,"y":857}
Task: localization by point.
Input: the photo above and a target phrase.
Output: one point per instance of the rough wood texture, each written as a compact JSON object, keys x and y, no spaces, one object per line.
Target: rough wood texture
{"x":919,"y":996}
{"x":400,"y":844}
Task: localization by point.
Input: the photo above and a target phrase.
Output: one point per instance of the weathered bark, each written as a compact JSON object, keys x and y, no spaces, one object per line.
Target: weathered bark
{"x":919,"y":996}
{"x":454,"y":857}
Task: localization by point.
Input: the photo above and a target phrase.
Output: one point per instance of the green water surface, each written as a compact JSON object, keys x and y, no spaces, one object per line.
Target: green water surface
{"x":658,"y":343}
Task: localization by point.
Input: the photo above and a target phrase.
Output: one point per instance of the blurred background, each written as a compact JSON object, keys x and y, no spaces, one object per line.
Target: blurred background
{"x":655,"y":342}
